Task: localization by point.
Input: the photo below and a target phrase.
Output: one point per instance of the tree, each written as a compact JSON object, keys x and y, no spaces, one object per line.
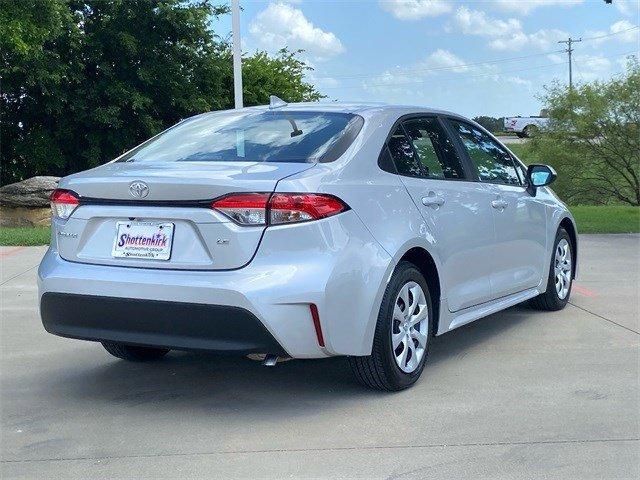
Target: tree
{"x":85,"y":80}
{"x":593,"y":139}
{"x":490,"y":123}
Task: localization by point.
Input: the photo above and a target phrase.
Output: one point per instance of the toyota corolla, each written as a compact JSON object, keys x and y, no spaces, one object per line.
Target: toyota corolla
{"x":305,"y":231}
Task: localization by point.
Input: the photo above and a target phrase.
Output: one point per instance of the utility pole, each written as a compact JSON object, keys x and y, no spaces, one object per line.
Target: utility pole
{"x":569,"y":50}
{"x":237,"y":53}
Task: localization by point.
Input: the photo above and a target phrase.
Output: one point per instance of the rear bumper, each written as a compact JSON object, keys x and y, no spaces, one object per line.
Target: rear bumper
{"x":333,"y":263}
{"x":177,"y":325}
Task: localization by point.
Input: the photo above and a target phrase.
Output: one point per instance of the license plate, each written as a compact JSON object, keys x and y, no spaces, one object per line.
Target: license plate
{"x":148,"y":240}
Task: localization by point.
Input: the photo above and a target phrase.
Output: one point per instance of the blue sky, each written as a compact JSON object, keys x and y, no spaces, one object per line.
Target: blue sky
{"x":475,"y":57}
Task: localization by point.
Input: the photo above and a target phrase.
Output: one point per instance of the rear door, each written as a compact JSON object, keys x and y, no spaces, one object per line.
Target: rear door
{"x":520,"y":219}
{"x":456,"y":209}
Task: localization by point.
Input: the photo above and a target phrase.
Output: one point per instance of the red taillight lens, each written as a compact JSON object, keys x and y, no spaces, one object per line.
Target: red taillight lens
{"x":63,"y":203}
{"x":294,"y":207}
{"x":278,"y":208}
{"x":244,"y":208}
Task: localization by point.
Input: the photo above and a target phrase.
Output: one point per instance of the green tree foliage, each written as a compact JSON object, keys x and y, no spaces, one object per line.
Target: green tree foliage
{"x":490,"y":123}
{"x":593,"y":140}
{"x":83,"y":81}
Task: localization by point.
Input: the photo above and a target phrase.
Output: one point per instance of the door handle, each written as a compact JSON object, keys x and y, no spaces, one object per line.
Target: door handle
{"x":433,"y":200}
{"x":499,"y":204}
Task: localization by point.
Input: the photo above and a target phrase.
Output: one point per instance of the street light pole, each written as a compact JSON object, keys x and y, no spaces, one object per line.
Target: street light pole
{"x":237,"y":53}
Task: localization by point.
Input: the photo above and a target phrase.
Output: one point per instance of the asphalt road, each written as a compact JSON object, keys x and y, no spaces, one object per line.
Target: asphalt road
{"x":520,"y":394}
{"x":507,"y":139}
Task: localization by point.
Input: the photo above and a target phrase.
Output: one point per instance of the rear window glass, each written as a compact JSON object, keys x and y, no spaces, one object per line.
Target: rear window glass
{"x":273,"y":136}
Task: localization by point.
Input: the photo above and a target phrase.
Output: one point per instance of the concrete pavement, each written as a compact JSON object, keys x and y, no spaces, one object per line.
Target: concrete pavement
{"x":520,"y":394}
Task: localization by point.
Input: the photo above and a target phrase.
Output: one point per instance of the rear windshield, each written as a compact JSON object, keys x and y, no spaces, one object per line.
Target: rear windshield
{"x":273,"y":136}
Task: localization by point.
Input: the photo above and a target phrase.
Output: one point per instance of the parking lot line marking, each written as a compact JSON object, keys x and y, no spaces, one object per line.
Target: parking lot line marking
{"x":11,"y":251}
{"x":604,"y":318}
{"x":326,"y":449}
{"x":584,"y":291}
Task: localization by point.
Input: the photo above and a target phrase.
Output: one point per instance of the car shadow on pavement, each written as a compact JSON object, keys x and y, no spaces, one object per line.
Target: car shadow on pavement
{"x":227,"y":384}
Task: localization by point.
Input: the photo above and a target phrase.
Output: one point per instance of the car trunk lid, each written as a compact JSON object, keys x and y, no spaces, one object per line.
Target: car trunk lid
{"x":140,"y":203}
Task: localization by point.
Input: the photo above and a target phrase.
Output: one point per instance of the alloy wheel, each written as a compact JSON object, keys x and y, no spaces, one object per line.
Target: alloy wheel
{"x":562,"y":265}
{"x":410,"y":327}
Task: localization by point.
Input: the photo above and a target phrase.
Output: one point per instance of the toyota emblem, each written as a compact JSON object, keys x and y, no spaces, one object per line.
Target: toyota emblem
{"x":139,"y":189}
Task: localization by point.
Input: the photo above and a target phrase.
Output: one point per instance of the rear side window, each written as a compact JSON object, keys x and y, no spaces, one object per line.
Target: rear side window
{"x":435,"y":152}
{"x":494,"y":164}
{"x":273,"y":136}
{"x":420,"y":148}
{"x":403,"y":155}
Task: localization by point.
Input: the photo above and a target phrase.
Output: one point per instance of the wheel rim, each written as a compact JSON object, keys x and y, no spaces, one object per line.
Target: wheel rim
{"x":410,"y":327}
{"x":562,"y":265}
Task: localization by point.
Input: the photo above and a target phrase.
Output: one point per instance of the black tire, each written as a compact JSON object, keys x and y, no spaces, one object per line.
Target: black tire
{"x":549,"y":300}
{"x":530,"y":130}
{"x":379,"y":370}
{"x":134,"y":353}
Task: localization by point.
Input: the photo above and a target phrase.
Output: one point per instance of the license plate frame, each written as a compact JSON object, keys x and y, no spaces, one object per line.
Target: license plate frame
{"x":143,"y":240}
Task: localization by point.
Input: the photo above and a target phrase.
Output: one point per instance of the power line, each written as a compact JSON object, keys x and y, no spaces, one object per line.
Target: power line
{"x":463,"y":77}
{"x":446,"y":67}
{"x":474,"y":64}
{"x":610,"y":34}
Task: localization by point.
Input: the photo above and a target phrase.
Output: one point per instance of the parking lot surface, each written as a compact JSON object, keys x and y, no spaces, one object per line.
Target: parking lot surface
{"x":520,"y":394}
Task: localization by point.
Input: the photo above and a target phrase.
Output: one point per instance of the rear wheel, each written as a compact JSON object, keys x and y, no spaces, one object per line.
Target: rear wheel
{"x":560,"y":279}
{"x":401,"y":341}
{"x":530,"y":130}
{"x":134,"y":353}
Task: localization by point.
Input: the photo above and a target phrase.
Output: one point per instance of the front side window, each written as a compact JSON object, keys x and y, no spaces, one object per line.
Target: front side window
{"x":494,"y":164}
{"x":273,"y":136}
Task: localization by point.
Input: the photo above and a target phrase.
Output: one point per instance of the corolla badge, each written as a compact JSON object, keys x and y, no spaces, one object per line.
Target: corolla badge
{"x":138,"y":189}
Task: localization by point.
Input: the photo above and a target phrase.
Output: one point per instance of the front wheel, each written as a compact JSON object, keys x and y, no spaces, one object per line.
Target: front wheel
{"x":401,"y":340}
{"x":560,"y":278}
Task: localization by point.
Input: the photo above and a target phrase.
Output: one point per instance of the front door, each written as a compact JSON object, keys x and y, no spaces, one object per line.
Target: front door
{"x":456,"y":210}
{"x":520,"y":219}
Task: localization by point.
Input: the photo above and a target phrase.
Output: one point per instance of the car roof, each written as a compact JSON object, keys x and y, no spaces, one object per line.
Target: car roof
{"x":354,"y":107}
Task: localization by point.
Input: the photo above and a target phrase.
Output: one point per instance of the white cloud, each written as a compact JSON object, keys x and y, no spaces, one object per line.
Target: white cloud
{"x":627,"y":7}
{"x":625,"y":31}
{"x":527,"y":6}
{"x":540,"y":40}
{"x":476,"y":22}
{"x":504,"y":34}
{"x":281,"y":25}
{"x":443,"y":60}
{"x":592,"y":67}
{"x":415,"y":9}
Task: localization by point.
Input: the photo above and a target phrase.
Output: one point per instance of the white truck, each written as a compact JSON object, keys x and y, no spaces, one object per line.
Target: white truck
{"x":526,"y":126}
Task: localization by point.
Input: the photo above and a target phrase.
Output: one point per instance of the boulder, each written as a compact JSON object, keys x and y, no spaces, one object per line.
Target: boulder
{"x":31,"y":193}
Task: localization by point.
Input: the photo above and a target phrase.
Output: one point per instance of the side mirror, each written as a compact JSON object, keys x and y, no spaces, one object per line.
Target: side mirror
{"x":539,"y":176}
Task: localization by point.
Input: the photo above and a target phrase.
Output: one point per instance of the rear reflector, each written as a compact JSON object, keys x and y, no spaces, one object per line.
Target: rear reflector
{"x":278,"y":208}
{"x":63,"y":203}
{"x":316,"y":323}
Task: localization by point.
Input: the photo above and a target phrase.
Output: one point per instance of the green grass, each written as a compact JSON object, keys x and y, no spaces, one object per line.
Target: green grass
{"x":590,"y":219}
{"x":521,"y":151}
{"x":607,"y":218}
{"x":11,"y":236}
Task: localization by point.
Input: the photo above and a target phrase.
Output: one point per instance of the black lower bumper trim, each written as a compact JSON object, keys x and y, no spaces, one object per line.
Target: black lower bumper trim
{"x":177,"y":325}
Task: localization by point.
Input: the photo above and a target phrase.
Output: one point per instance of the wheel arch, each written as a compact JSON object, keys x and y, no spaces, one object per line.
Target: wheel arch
{"x":424,"y":261}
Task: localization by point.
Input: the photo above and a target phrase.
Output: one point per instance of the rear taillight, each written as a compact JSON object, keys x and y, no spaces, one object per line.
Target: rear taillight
{"x":63,"y":203}
{"x":278,"y":208}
